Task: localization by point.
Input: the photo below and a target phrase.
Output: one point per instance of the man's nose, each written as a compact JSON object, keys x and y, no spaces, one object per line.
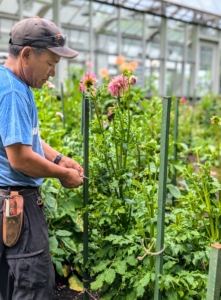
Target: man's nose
{"x":52,"y":71}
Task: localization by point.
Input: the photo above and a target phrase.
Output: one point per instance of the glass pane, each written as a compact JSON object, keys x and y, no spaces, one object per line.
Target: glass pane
{"x":107,"y":43}
{"x":209,"y":31}
{"x":152,"y":75}
{"x":9,"y":7}
{"x":205,"y":70}
{"x":175,"y":52}
{"x":131,"y":47}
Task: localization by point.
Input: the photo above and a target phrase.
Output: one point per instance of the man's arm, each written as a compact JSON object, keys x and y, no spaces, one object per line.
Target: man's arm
{"x":66,"y":162}
{"x":22,"y":158}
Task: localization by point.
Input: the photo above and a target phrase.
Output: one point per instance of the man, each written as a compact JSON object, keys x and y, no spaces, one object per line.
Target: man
{"x":35,"y":47}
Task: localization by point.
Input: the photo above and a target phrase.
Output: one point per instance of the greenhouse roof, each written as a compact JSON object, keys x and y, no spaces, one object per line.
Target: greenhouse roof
{"x":76,"y":13}
{"x":204,"y":12}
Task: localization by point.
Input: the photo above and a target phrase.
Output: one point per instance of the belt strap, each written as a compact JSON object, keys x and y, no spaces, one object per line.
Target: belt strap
{"x":24,"y":191}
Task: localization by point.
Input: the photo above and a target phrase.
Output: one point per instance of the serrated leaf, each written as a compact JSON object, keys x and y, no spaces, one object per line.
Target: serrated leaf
{"x":75,"y":284}
{"x":140,"y":291}
{"x":97,"y":284}
{"x":110,"y":275}
{"x":145,"y":280}
{"x":132,"y":261}
{"x":120,"y":266}
{"x":101,"y":266}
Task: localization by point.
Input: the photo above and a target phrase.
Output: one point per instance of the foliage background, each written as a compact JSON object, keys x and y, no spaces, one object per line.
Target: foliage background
{"x":123,"y":208}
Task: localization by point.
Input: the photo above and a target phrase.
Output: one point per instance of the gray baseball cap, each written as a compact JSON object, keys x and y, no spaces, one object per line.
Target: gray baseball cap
{"x":40,"y":33}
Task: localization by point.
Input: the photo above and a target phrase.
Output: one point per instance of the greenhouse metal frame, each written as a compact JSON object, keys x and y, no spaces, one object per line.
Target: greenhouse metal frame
{"x":177,"y":46}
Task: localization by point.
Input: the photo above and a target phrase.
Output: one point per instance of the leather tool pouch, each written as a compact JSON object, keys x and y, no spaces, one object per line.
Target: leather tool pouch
{"x":12,"y":218}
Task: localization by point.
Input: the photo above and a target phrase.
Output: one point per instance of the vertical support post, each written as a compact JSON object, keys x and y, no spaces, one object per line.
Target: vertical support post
{"x":195,"y":57}
{"x":162,"y":193}
{"x":62,"y":104}
{"x":144,"y":44}
{"x":163,"y":56}
{"x":91,"y":43}
{"x":185,"y":48}
{"x":214,"y":277}
{"x":119,"y":37}
{"x":20,"y":10}
{"x":176,"y":124}
{"x":56,"y":6}
{"x":85,"y":191}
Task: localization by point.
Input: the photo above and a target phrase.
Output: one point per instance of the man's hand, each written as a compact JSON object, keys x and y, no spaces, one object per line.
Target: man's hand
{"x":72,"y":179}
{"x":67,"y":162}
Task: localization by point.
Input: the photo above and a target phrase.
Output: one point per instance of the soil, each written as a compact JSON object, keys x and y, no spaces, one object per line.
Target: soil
{"x":62,"y":291}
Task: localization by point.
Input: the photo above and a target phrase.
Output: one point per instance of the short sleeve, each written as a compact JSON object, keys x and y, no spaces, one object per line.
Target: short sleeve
{"x":15,"y":119}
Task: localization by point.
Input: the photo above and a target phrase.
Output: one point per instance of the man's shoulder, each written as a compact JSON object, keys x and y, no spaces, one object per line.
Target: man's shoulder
{"x":10,"y":83}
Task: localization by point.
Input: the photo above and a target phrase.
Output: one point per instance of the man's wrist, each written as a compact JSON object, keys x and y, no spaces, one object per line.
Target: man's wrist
{"x":58,"y":158}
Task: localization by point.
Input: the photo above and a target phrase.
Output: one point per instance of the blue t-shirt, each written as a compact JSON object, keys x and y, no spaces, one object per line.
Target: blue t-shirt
{"x":18,"y":124}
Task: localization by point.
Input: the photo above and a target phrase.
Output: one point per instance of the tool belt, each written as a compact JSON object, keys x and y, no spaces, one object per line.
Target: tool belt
{"x":13,"y":212}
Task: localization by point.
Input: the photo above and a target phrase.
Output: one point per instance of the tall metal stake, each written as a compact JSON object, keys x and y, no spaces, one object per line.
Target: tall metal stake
{"x":85,"y":189}
{"x":214,"y":277}
{"x":162,"y":193}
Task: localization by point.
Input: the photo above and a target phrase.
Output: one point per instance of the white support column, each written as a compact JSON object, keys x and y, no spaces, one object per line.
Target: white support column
{"x":183,"y":91}
{"x":217,"y":64}
{"x":163,"y":56}
{"x":20,"y":3}
{"x":119,"y":37}
{"x":91,"y":36}
{"x":144,"y":46}
{"x":56,"y":19}
{"x":196,"y":59}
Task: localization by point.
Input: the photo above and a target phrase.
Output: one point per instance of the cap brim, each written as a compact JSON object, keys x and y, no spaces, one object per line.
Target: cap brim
{"x":64,"y":52}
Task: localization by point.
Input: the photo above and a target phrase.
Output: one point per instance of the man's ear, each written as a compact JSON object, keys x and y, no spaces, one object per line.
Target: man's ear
{"x":25,"y":53}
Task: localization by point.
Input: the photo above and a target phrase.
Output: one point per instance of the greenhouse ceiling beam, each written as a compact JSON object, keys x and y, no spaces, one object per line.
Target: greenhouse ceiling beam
{"x":162,"y":10}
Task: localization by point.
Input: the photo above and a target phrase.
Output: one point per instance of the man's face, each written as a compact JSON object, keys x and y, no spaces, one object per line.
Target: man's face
{"x":38,"y":69}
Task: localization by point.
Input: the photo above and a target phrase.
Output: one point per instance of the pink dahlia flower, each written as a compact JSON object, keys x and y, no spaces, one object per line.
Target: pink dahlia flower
{"x":183,"y":100}
{"x":87,"y":82}
{"x":118,"y":85}
{"x":89,"y":64}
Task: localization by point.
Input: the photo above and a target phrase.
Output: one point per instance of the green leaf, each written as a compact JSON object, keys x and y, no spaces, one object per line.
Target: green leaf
{"x":53,"y":243}
{"x":51,"y":202}
{"x":97,"y":284}
{"x":145,"y":280}
{"x":69,"y":243}
{"x":131,"y":260}
{"x":63,"y":233}
{"x":101,"y":266}
{"x":175,"y":192}
{"x":169,"y":265}
{"x":110,"y":275}
{"x":58,"y":266}
{"x":120,"y":266}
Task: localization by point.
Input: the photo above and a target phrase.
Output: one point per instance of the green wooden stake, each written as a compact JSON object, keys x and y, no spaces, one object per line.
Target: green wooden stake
{"x":85,"y":190}
{"x":162,"y":193}
{"x":214,"y":277}
{"x":62,"y":103}
{"x":176,"y":124}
